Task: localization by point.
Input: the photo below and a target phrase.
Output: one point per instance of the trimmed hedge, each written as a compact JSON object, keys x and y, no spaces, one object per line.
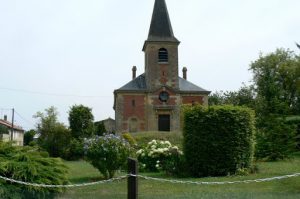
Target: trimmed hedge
{"x":218,"y":140}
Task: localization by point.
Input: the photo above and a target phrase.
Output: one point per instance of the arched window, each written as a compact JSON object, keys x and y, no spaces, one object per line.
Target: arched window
{"x":163,"y":55}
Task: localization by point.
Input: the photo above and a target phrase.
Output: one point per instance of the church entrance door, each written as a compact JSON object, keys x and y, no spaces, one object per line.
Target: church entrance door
{"x":164,"y":123}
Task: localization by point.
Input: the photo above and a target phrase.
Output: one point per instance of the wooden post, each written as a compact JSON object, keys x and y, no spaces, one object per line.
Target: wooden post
{"x":12,"y":125}
{"x":132,"y":180}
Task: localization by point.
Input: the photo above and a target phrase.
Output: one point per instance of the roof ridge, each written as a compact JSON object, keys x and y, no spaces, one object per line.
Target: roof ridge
{"x":9,"y":124}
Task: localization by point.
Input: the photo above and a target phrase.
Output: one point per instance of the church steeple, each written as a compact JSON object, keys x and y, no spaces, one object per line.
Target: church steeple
{"x":161,"y":28}
{"x":161,"y":51}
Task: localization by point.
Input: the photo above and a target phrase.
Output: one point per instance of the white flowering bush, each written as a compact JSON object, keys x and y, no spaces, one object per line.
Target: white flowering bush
{"x":107,"y":153}
{"x":158,"y":155}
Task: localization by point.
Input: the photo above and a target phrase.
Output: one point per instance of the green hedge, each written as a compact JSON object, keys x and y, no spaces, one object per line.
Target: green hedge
{"x":295,"y":120}
{"x":277,"y":137}
{"x":218,"y":140}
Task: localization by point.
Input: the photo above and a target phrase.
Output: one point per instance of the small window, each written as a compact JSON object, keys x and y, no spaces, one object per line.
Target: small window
{"x":163,"y":55}
{"x":133,"y":103}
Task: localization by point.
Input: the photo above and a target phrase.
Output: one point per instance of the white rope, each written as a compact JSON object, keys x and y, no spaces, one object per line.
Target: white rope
{"x":63,"y":186}
{"x":217,"y":183}
{"x":150,"y":178}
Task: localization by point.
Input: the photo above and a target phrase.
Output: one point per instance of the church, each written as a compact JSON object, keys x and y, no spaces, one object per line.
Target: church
{"x":152,"y":101}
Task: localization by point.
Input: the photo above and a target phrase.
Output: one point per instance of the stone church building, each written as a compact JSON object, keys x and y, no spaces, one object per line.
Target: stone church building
{"x":152,"y":101}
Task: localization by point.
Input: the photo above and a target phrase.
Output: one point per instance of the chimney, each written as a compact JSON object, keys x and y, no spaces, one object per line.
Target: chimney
{"x":184,"y":72}
{"x":133,"y":72}
{"x":5,"y":117}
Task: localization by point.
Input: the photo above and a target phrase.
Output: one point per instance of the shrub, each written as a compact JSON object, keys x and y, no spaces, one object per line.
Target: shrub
{"x":159,"y":155}
{"x":218,"y":140}
{"x":295,"y":120}
{"x":28,"y":137}
{"x":74,"y":150}
{"x":29,"y":165}
{"x":143,"y":138}
{"x":55,"y":140}
{"x":275,"y":139}
{"x":129,"y":139}
{"x":107,"y":153}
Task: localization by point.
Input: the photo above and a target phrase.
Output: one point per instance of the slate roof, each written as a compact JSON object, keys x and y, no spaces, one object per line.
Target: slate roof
{"x":139,"y":84}
{"x":161,"y":28}
{"x":186,"y":86}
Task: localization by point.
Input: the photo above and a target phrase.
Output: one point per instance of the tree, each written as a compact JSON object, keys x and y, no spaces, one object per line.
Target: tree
{"x":48,"y":120}
{"x":28,"y":137}
{"x":216,"y":98}
{"x":81,"y":121}
{"x":3,"y":130}
{"x":54,"y":136}
{"x":245,"y":96}
{"x":276,"y":79}
{"x":100,"y":128}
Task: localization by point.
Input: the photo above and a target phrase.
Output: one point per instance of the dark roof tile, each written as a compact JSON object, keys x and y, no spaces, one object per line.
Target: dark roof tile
{"x":186,"y":86}
{"x":136,"y":84}
{"x":161,"y":28}
{"x":139,"y":84}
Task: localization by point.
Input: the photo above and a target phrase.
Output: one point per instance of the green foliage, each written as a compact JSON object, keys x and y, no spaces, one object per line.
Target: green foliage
{"x":245,"y":96}
{"x":142,"y":138}
{"x":81,"y":121}
{"x":159,"y":155}
{"x":218,"y":140}
{"x":295,"y":120}
{"x":99,"y":128}
{"x":28,"y":137}
{"x":74,"y":150}
{"x":107,"y":153}
{"x":276,"y":140}
{"x":55,"y":142}
{"x":54,"y":136}
{"x":128,"y":137}
{"x":29,"y":165}
{"x":3,"y":129}
{"x":277,"y":83}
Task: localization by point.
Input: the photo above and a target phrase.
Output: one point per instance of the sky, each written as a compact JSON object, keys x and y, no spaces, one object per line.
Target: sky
{"x":66,"y":52}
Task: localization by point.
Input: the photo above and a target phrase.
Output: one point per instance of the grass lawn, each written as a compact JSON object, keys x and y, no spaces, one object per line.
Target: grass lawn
{"x":287,"y":188}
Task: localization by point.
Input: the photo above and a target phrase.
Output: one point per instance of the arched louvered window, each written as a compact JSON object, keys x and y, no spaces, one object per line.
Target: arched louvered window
{"x":163,"y":55}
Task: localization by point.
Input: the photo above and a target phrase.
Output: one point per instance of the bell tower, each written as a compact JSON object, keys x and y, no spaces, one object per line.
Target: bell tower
{"x":161,"y":51}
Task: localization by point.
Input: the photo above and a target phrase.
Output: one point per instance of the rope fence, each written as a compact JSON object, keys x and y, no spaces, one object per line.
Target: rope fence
{"x":64,"y":186}
{"x":219,"y":183}
{"x":153,"y":179}
{"x":133,"y":176}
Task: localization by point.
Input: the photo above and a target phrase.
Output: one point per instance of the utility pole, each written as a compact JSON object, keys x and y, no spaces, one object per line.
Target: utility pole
{"x":12,"y":125}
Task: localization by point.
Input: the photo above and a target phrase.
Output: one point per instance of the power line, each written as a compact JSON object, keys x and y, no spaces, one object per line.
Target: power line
{"x":5,"y":109}
{"x":51,"y":94}
{"x":24,"y":119}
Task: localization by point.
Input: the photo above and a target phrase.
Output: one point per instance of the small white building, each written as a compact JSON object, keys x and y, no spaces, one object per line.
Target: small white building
{"x":15,"y":132}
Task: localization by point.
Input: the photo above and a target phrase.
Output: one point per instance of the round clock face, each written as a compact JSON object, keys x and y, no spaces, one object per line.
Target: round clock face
{"x":164,"y":96}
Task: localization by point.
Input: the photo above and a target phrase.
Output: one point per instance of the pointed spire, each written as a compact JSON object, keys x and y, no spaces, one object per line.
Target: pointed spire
{"x":161,"y":28}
